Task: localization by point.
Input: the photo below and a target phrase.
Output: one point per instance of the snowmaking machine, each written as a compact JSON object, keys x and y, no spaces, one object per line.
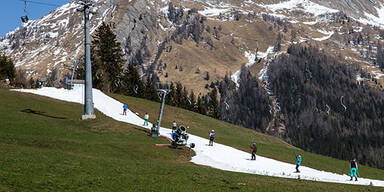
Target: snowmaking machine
{"x":180,"y":137}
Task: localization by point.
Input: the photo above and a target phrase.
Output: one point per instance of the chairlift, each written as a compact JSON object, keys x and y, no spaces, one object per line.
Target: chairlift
{"x":25,"y":18}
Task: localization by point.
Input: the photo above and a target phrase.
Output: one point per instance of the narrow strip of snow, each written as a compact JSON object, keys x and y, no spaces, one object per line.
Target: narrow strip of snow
{"x":263,"y":72}
{"x":329,"y":35}
{"x":310,"y":22}
{"x":218,"y":156}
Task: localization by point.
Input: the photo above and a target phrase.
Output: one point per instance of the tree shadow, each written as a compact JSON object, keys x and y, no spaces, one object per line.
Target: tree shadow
{"x":40,"y":113}
{"x":144,"y":130}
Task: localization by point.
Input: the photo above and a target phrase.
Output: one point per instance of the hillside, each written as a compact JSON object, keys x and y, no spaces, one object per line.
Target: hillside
{"x":242,"y":48}
{"x":60,"y":152}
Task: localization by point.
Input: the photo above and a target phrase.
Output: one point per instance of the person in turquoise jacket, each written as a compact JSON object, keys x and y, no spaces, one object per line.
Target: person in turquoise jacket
{"x":298,"y":163}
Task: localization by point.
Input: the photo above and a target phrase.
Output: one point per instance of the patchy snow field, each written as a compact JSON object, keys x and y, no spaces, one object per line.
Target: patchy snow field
{"x":303,"y":5}
{"x":218,"y":156}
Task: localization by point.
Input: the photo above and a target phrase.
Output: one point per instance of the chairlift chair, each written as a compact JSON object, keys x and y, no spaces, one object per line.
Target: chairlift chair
{"x":25,"y":18}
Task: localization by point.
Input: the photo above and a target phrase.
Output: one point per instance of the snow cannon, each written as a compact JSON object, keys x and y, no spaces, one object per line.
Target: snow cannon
{"x":180,"y":137}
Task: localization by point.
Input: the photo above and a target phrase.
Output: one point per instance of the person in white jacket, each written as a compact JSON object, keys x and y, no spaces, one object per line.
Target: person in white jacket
{"x":174,"y":126}
{"x":146,"y":117}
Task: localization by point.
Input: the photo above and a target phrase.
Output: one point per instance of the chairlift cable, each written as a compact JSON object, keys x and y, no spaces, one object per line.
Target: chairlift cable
{"x":40,"y":3}
{"x":25,"y":8}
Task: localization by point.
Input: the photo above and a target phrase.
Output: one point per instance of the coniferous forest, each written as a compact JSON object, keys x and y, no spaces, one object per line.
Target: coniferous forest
{"x":248,"y":105}
{"x":326,"y":111}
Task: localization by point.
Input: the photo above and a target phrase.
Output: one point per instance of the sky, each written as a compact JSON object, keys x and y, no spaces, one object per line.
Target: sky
{"x":12,"y":10}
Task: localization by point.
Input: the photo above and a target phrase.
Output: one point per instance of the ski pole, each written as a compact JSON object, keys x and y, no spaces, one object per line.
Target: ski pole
{"x":358,"y":173}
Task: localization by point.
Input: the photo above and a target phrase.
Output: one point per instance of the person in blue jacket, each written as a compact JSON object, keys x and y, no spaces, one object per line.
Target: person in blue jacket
{"x":353,"y":167}
{"x":125,"y":107}
{"x":298,"y":163}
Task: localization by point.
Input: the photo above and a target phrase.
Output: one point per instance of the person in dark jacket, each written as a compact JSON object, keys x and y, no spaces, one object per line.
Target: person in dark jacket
{"x":254,"y":150}
{"x":211,"y":137}
{"x":353,"y":167}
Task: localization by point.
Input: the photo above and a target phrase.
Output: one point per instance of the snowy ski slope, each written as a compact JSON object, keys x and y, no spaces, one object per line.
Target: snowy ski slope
{"x":219,"y":156}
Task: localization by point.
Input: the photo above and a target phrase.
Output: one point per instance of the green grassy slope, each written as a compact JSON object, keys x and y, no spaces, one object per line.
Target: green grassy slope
{"x":44,"y":146}
{"x":241,"y":138}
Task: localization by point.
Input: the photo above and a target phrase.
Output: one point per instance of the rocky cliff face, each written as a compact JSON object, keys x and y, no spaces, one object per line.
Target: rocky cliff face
{"x":170,"y":42}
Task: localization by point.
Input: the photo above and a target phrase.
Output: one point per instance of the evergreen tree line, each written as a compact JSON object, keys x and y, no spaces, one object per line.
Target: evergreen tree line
{"x":325,"y":110}
{"x":248,"y":105}
{"x":17,"y":78}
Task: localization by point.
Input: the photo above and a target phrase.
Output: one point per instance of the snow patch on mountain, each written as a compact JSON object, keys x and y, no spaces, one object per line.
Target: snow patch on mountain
{"x":328,"y":35}
{"x":251,"y":60}
{"x":302,"y":5}
{"x":217,"y":9}
{"x":213,"y":11}
{"x":263,"y":72}
{"x":372,"y":19}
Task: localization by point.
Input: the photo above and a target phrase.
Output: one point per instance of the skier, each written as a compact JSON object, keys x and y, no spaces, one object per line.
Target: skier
{"x":211,"y":137}
{"x":174,"y":126}
{"x":254,"y":150}
{"x":125,"y":107}
{"x":298,"y":163}
{"x":146,"y":117}
{"x":353,"y":167}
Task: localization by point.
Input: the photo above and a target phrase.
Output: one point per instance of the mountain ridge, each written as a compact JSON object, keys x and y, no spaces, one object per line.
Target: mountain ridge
{"x":51,"y":42}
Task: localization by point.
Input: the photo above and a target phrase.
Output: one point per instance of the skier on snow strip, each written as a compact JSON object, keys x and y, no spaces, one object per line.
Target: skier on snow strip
{"x":211,"y":137}
{"x":254,"y":150}
{"x":353,"y":167}
{"x":125,"y":107}
{"x":146,"y":117}
{"x":298,"y":163}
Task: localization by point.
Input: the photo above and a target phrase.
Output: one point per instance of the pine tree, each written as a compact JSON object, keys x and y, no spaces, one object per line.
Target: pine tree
{"x":179,"y":95}
{"x":192,"y":103}
{"x":171,"y":95}
{"x":213,"y":104}
{"x":186,"y":102}
{"x":200,"y":106}
{"x":7,"y":68}
{"x":150,"y":92}
{"x":132,"y":84}
{"x":107,"y":59}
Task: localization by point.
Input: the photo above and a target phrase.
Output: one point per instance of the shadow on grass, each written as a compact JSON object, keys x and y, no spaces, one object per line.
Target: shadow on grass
{"x":146,"y":131}
{"x":40,"y":113}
